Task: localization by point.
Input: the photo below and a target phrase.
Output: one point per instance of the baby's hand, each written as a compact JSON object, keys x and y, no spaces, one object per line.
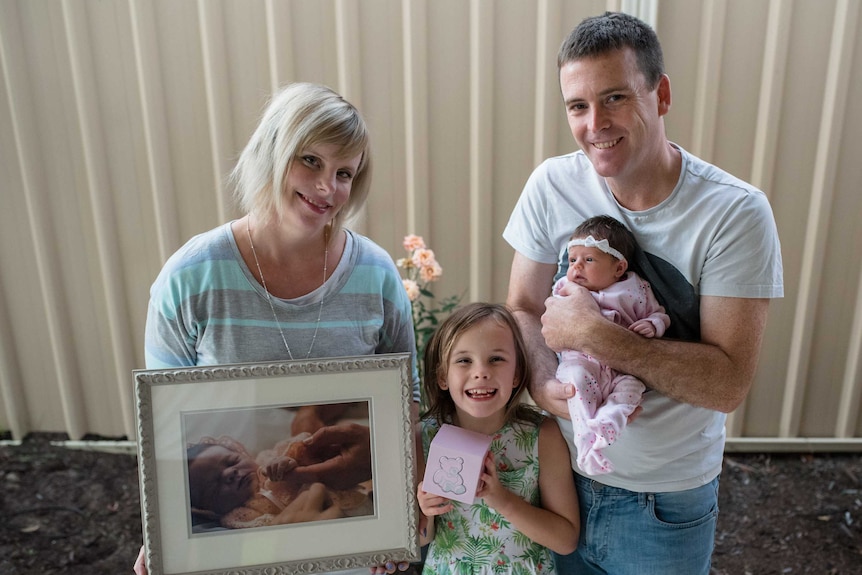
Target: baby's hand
{"x":279,"y":468}
{"x":643,"y":327}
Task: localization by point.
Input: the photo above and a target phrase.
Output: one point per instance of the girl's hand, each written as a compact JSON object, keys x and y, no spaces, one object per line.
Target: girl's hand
{"x":432,"y":504}
{"x":490,"y":488}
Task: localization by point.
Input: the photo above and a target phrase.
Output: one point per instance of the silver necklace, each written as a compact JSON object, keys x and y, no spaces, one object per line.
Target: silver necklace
{"x":269,"y":297}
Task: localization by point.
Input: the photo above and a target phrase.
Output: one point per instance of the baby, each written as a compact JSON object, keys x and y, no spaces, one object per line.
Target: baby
{"x":228,"y":484}
{"x":599,"y":251}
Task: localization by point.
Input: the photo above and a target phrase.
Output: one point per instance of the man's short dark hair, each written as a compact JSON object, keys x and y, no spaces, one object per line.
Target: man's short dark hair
{"x":598,"y":35}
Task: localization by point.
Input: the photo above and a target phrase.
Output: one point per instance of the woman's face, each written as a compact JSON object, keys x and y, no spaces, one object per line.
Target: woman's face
{"x":221,"y":479}
{"x":318,"y":185}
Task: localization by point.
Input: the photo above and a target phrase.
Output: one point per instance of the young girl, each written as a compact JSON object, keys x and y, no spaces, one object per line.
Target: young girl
{"x":476,"y":369}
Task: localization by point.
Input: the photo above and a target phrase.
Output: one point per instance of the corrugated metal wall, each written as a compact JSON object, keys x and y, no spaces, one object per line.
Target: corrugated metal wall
{"x":120,"y":118}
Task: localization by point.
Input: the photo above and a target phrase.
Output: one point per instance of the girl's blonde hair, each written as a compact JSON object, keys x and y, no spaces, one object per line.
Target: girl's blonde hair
{"x":297,"y":118}
{"x":440,"y":404}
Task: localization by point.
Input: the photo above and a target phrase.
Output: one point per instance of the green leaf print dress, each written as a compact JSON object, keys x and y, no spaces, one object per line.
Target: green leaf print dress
{"x":475,"y":539}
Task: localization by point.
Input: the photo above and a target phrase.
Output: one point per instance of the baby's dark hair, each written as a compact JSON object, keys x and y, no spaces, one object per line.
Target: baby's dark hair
{"x":192,"y":453}
{"x":611,"y":229}
{"x":440,"y":404}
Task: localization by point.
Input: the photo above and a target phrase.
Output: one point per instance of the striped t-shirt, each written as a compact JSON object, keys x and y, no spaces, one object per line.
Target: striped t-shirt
{"x":206,"y":308}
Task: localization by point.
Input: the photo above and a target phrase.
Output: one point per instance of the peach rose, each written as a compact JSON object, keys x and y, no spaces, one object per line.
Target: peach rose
{"x":424,"y":257}
{"x":412,"y":289}
{"x":431,"y":273}
{"x":413,"y":242}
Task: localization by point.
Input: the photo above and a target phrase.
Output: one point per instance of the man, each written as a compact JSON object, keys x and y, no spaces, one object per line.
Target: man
{"x":709,"y":247}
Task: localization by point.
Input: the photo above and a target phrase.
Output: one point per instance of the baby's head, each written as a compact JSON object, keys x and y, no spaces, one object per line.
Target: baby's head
{"x":599,"y":252}
{"x":222,"y":476}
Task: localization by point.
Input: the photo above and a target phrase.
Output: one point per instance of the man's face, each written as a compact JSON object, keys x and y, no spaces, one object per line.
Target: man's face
{"x":614,"y":116}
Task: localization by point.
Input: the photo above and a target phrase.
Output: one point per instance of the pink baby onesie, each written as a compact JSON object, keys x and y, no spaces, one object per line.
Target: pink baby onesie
{"x":604,"y":398}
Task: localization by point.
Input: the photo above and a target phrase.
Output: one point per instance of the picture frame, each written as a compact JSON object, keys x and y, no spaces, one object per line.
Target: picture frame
{"x":253,"y":404}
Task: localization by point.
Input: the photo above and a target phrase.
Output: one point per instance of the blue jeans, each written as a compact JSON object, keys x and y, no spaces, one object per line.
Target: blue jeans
{"x":629,"y":533}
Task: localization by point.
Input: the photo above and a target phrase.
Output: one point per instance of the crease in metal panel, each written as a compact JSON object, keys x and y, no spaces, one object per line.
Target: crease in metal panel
{"x":708,"y":77}
{"x":838,"y":73}
{"x":646,"y":10}
{"x":217,"y":90}
{"x":349,"y":62}
{"x":279,"y":47}
{"x":152,"y":101}
{"x":771,"y":92}
{"x":11,"y":379}
{"x":348,"y":51}
{"x":766,"y":129}
{"x":11,"y":387}
{"x":98,"y":183}
{"x":42,"y":238}
{"x":481,"y":145}
{"x":415,"y":46}
{"x":547,"y":97}
{"x":851,"y":385}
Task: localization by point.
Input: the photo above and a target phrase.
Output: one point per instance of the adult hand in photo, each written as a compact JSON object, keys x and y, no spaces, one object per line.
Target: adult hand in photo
{"x":344,"y":452}
{"x":310,"y":418}
{"x":312,"y":504}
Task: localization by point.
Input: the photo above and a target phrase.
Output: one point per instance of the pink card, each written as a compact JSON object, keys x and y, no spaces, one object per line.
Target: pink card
{"x":455,"y":463}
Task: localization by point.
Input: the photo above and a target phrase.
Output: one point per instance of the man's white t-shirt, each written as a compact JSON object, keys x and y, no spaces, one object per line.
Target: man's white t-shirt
{"x":715,"y":235}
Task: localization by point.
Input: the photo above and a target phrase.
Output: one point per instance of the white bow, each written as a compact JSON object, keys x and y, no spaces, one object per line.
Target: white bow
{"x":602,"y":245}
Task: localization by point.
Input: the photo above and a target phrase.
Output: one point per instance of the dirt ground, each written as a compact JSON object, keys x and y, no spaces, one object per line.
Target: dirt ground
{"x":65,"y":511}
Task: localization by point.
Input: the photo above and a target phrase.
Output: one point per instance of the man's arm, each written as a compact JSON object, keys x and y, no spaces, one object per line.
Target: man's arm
{"x":715,"y":373}
{"x":529,"y":285}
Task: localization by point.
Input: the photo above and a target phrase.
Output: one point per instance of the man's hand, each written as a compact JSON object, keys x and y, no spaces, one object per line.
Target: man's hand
{"x":565,"y":323}
{"x":344,"y":452}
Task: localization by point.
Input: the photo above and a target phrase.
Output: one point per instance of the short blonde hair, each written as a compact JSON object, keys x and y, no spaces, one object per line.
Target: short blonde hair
{"x":298,"y":117}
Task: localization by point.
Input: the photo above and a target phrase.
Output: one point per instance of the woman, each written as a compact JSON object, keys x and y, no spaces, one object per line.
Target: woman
{"x":287,"y":280}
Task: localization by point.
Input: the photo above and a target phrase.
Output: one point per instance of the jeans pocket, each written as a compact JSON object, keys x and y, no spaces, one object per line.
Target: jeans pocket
{"x":688,"y":508}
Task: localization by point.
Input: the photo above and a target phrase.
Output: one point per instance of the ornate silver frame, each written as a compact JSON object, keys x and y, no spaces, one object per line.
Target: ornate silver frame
{"x":390,"y":533}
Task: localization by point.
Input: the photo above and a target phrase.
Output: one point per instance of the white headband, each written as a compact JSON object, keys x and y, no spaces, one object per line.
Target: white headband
{"x":591,"y":242}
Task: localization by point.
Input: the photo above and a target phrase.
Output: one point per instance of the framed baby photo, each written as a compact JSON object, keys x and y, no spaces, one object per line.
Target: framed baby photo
{"x":277,"y":468}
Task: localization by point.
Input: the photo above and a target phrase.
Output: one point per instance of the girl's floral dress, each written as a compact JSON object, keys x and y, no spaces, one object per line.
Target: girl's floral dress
{"x":475,"y":539}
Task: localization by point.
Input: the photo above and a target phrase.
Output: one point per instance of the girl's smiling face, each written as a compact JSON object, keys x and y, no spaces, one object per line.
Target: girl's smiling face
{"x":221,"y":479}
{"x":480,"y":375}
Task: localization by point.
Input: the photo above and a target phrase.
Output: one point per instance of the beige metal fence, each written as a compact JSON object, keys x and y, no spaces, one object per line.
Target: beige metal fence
{"x":119,"y":119}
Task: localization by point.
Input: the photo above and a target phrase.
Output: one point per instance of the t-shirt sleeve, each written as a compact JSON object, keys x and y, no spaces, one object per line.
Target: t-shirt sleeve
{"x":744,"y":260}
{"x":527,"y":229}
